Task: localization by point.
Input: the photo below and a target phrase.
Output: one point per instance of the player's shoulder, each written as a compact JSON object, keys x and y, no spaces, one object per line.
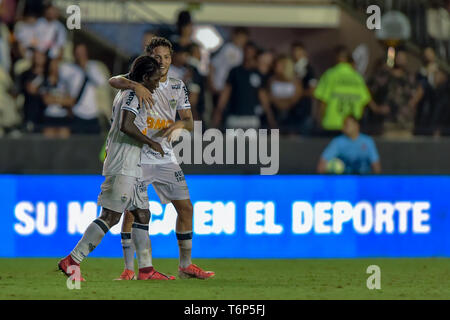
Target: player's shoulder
{"x":129,"y":97}
{"x":175,"y":84}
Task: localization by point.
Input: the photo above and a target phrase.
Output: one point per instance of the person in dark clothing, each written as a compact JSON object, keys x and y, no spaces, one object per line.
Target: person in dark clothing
{"x":29,"y":84}
{"x":196,"y":83}
{"x":244,"y":98}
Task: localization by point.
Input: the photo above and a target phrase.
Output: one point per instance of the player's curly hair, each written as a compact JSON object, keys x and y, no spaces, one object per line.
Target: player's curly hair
{"x":158,"y":42}
{"x":143,"y":66}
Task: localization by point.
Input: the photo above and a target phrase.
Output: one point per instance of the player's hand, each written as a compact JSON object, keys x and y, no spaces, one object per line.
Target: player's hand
{"x":173,"y":131}
{"x":144,"y":96}
{"x":157,"y":147}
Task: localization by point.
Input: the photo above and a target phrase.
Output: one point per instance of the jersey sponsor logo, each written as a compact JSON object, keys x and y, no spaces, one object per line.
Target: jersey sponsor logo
{"x":186,"y":95}
{"x":130,"y":98}
{"x":156,"y":123}
{"x":176,"y":86}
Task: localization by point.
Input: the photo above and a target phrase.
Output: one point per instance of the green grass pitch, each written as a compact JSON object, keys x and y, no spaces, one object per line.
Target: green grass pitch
{"x":235,"y":279}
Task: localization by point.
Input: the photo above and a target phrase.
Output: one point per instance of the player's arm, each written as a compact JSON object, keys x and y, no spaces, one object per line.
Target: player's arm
{"x":128,"y":127}
{"x":122,"y":83}
{"x":186,"y":122}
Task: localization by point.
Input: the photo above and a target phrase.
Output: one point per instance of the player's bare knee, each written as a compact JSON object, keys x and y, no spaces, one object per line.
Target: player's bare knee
{"x":110,"y":217}
{"x":141,"y":216}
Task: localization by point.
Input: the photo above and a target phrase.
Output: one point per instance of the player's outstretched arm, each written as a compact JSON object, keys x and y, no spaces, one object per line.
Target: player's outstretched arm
{"x":143,"y":94}
{"x":128,"y":127}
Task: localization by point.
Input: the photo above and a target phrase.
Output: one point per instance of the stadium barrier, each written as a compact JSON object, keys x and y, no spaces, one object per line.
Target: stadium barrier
{"x":288,"y":216}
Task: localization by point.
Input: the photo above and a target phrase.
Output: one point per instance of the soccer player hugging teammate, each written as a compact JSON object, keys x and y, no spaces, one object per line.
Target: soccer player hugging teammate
{"x":123,"y":188}
{"x":163,"y":173}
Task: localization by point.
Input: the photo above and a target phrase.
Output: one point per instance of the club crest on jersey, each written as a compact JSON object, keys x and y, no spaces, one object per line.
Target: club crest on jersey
{"x":173,"y":103}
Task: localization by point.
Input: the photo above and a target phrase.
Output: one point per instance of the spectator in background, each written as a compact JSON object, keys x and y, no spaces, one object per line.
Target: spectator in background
{"x":342,"y":92}
{"x":86,"y":77}
{"x":265,"y":61}
{"x":51,"y":33}
{"x":25,"y":35}
{"x":229,"y":56}
{"x":400,"y":96}
{"x":183,"y":38}
{"x":58,"y":104}
{"x":8,"y":12}
{"x":430,"y":66}
{"x":146,"y":38}
{"x":244,"y":98}
{"x":196,"y":83}
{"x":441,"y":116}
{"x":357,"y":151}
{"x":285,"y":91}
{"x":305,"y":73}
{"x":178,"y":69}
{"x":29,"y":84}
{"x":5,"y":52}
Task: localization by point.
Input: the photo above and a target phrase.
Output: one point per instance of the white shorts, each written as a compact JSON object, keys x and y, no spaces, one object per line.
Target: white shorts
{"x":167,"y":180}
{"x":120,"y":193}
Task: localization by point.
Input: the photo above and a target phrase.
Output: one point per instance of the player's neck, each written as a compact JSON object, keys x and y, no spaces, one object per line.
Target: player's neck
{"x":163,"y":79}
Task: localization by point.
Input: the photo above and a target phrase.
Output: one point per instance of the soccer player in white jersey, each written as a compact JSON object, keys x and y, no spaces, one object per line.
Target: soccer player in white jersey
{"x":123,"y":188}
{"x":164,"y":173}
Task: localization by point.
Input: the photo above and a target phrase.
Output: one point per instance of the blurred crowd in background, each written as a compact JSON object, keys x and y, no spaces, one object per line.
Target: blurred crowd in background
{"x":49,"y":87}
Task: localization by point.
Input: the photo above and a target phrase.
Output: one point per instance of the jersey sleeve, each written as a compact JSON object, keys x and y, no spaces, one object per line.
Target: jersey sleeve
{"x":130,"y":102}
{"x":183,"y":98}
{"x":332,"y":150}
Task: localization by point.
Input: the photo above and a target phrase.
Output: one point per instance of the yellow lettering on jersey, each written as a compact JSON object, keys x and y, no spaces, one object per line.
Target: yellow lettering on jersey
{"x":153,"y":123}
{"x":150,"y":122}
{"x":160,"y":124}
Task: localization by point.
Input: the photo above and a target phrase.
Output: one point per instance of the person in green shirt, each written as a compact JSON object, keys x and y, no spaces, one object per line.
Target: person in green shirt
{"x":342,"y":91}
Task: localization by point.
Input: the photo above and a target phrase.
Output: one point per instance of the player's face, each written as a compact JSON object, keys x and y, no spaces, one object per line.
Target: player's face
{"x":163,"y":56}
{"x":152,"y":82}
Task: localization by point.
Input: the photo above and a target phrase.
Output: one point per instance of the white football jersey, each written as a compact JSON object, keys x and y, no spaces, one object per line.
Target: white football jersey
{"x":123,"y":153}
{"x":169,"y":97}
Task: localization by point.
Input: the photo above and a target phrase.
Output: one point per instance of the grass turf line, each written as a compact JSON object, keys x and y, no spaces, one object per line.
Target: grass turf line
{"x":235,"y":279}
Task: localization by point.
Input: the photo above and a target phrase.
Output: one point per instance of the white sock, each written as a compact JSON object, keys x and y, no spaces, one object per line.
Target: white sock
{"x":141,"y":240}
{"x":90,"y":240}
{"x":185,"y":247}
{"x":128,"y":250}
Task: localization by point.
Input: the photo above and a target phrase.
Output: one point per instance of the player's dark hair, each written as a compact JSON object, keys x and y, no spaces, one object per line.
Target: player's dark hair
{"x":143,"y":66}
{"x":158,"y":42}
